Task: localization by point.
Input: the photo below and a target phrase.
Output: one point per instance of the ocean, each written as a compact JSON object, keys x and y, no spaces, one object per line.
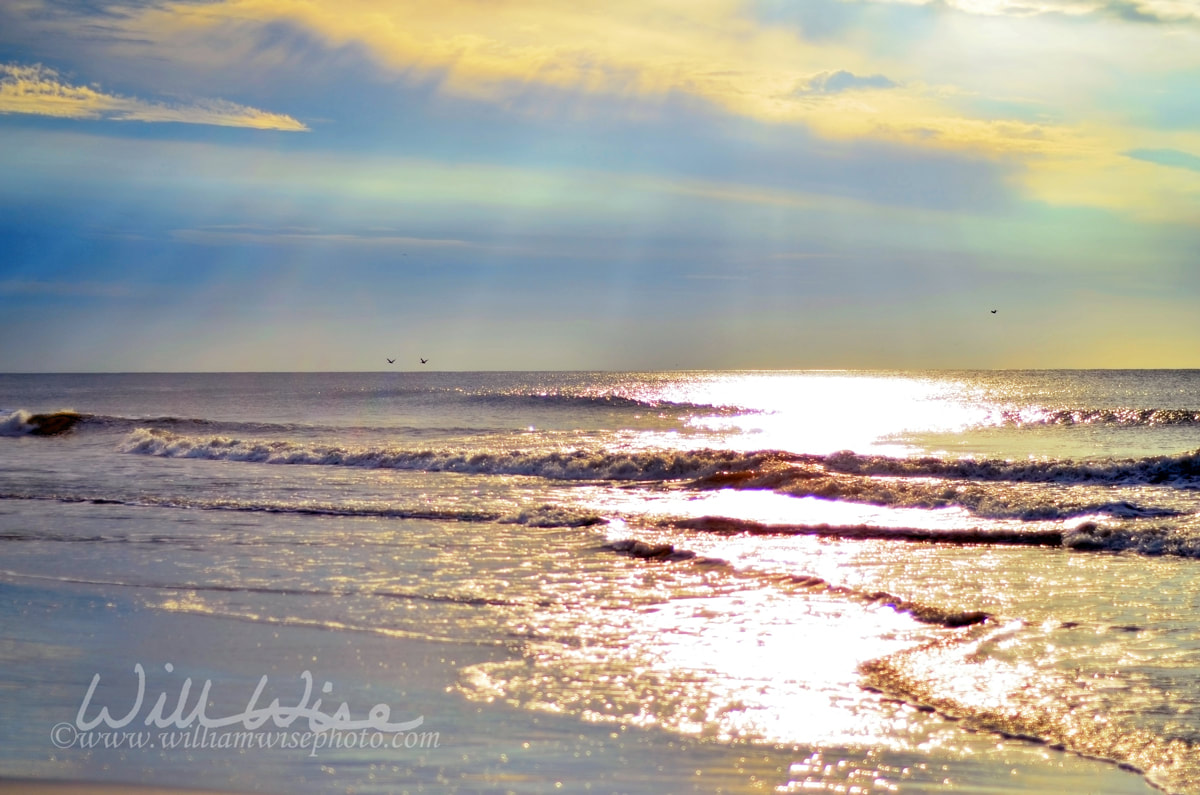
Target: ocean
{"x":767,"y":581}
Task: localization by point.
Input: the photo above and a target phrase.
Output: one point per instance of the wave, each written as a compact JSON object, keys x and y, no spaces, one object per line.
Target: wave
{"x":563,"y":465}
{"x":722,"y":468}
{"x":1027,"y":502}
{"x":1033,"y":536}
{"x":927,"y":614}
{"x":1151,"y":541}
{"x":23,"y":423}
{"x":604,"y":401}
{"x":545,"y":516}
{"x":963,"y":679}
{"x":1085,"y":537}
{"x":196,"y":423}
{"x":924,"y":483}
{"x":1142,"y":418}
{"x":1181,"y":470}
{"x":662,"y":552}
{"x":531,"y":396}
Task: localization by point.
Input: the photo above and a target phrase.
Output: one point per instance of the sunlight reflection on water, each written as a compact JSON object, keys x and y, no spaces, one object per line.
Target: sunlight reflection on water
{"x":824,"y":412}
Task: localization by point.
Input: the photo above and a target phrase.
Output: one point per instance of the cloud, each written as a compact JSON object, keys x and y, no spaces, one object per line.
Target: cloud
{"x":1132,"y":12}
{"x":517,"y":54}
{"x":1142,"y":11}
{"x":841,"y":80}
{"x":39,"y":90}
{"x":1172,"y":158}
{"x":921,"y":87}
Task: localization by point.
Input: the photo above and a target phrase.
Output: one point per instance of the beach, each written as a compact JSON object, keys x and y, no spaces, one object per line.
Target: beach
{"x":651,"y":582}
{"x":482,"y":747}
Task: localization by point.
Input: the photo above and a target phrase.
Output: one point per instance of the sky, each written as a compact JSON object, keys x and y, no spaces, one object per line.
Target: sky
{"x":223,"y":185}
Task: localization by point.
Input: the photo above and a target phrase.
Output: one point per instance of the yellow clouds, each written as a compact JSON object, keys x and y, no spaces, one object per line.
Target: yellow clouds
{"x":711,"y":50}
{"x":1110,"y":176}
{"x":940,"y":84}
{"x":38,"y":90}
{"x":493,"y":50}
{"x":474,"y":45}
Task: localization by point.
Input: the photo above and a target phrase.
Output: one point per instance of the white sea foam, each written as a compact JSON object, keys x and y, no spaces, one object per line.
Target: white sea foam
{"x":15,"y":423}
{"x":1183,"y":469}
{"x":581,"y":464}
{"x":565,"y":465}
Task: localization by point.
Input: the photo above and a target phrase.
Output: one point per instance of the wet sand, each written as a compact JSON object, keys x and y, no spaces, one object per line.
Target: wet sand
{"x":55,"y":638}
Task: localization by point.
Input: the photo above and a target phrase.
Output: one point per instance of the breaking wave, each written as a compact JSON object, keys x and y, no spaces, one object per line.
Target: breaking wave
{"x":1108,"y":416}
{"x":1183,"y":470}
{"x":721,"y":468}
{"x":23,"y":423}
{"x":565,"y":465}
{"x":989,"y":489}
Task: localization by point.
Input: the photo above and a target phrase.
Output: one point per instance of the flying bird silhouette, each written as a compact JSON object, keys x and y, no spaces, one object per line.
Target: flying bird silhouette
{"x":391,"y":361}
{"x":993,"y":311}
{"x":423,"y":361}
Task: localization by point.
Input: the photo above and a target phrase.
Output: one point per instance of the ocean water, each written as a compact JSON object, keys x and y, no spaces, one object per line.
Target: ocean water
{"x":680,"y":581}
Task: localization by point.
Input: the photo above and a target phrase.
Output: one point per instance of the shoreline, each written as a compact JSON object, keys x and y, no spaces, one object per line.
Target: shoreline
{"x":56,"y":639}
{"x":481,"y":746}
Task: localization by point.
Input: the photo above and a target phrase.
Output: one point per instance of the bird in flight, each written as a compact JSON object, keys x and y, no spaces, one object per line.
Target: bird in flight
{"x":993,"y":311}
{"x":391,"y":361}
{"x":423,"y":361}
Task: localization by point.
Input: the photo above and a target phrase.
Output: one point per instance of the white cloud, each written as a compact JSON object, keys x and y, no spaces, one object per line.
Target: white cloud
{"x":41,"y":91}
{"x":1130,"y":10}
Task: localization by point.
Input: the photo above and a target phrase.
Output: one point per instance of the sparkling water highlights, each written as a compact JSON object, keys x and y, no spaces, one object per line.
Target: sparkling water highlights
{"x":807,"y":581}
